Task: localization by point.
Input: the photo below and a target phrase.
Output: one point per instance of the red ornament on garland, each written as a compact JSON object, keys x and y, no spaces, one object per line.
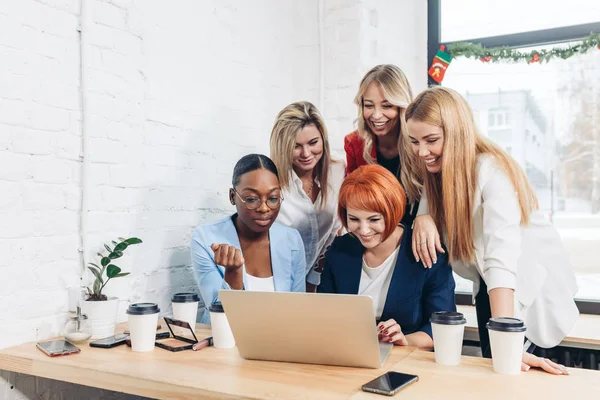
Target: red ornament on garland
{"x":486,"y":59}
{"x":536,"y":58}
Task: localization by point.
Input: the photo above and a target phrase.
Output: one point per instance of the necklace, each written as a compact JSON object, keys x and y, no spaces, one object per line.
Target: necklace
{"x":309,"y":191}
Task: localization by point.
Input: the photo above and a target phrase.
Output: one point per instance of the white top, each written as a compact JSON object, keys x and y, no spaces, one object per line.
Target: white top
{"x":530,"y":259}
{"x":317,"y":225}
{"x":256,"y":284}
{"x":375,"y":282}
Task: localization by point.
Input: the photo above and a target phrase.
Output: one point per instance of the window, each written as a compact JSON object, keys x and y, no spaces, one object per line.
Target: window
{"x":497,"y":119}
{"x":470,"y":19}
{"x":547,"y":116}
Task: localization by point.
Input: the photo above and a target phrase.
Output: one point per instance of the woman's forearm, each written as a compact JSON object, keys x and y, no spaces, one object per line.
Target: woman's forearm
{"x":502,"y":302}
{"x":420,"y":339}
{"x":234,"y":277}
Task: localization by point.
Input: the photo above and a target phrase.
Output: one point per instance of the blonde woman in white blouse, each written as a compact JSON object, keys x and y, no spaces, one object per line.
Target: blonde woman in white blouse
{"x":310,"y":180}
{"x":495,"y":234}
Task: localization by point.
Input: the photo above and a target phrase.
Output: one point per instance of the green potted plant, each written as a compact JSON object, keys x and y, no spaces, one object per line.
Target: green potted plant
{"x":100,"y":309}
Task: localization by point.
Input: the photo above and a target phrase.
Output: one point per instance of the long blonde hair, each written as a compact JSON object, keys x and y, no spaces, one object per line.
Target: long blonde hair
{"x":291,"y":120}
{"x":398,"y":92}
{"x":451,"y":193}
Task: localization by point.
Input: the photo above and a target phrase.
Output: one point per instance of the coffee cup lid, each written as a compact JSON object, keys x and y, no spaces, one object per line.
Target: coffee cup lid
{"x":185,"y":298}
{"x":447,"y":318}
{"x":143,"y":308}
{"x":216,"y":307}
{"x":506,"y":324}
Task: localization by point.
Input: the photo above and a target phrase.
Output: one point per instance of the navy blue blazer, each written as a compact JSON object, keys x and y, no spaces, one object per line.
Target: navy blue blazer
{"x":415,"y":291}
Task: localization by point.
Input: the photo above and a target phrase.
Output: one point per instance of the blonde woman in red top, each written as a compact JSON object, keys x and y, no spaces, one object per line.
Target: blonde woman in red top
{"x":383,"y":96}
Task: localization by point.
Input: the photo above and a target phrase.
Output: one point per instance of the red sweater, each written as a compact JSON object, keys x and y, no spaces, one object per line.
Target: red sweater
{"x":354,"y":146}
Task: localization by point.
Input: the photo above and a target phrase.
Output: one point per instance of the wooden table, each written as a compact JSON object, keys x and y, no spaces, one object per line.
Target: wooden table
{"x":223,"y":374}
{"x":585,"y":334}
{"x":475,"y":379}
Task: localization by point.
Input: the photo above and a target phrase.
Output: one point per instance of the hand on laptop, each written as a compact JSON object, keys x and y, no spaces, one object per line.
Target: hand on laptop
{"x":227,"y":256}
{"x":390,"y":331}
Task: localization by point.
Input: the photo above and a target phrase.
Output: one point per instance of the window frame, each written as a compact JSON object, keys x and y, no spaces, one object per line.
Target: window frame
{"x":523,"y":39}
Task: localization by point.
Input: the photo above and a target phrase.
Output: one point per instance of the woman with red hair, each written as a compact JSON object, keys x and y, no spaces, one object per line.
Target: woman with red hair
{"x":375,"y":258}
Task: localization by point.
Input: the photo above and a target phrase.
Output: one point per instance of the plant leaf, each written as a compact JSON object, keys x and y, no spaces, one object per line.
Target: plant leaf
{"x":115,"y":254}
{"x":133,"y":240}
{"x":122,"y":274}
{"x":113,"y":242}
{"x":95,"y":266}
{"x":97,"y":287}
{"x":100,"y":255}
{"x":89,"y":291}
{"x":107,"y":248}
{"x":112,"y":271}
{"x":96,"y":273}
{"x":121,"y":239}
{"x":121,"y":246}
{"x":105,"y":261}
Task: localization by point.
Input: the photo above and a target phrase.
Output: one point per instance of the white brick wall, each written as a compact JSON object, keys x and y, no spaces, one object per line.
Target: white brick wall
{"x":39,"y":168}
{"x":359,"y":34}
{"x":175,"y":93}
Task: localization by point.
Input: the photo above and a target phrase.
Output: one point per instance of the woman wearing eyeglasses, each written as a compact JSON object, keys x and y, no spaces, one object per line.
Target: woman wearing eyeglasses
{"x":248,"y":250}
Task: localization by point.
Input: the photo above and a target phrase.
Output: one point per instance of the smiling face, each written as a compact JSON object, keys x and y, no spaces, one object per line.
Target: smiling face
{"x":260,"y":185}
{"x":380,"y":115}
{"x":427,"y":142}
{"x":367,"y":226}
{"x":308,"y":149}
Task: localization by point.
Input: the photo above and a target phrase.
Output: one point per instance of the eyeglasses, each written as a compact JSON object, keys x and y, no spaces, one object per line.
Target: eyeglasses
{"x":254,"y":202}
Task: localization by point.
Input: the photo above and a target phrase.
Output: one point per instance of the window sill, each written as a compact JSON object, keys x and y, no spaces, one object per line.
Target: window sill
{"x":586,"y":307}
{"x":585,"y":334}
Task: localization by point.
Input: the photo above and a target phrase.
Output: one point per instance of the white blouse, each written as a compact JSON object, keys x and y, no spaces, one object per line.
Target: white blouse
{"x":375,"y":282}
{"x":530,"y":259}
{"x":317,"y":225}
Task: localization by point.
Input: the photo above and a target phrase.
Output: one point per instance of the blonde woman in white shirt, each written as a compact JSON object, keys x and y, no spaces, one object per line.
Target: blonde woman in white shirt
{"x":496,"y":236}
{"x":310,"y":180}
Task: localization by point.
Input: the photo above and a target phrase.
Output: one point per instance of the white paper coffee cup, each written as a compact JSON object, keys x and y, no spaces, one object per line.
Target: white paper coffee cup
{"x":221,"y":332}
{"x":185,"y":307}
{"x":448,"y":329}
{"x":507,"y":336}
{"x":143,"y":318}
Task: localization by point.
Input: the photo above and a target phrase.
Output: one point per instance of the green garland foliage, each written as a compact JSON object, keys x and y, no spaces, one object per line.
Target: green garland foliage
{"x":511,"y":55}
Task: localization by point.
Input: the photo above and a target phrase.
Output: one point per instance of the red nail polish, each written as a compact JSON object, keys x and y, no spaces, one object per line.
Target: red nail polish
{"x":385,"y":332}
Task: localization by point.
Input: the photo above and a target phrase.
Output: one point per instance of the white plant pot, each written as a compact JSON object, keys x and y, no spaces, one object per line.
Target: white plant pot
{"x":102,"y":316}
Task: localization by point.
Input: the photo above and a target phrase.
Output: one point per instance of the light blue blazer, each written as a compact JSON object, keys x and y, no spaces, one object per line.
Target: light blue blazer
{"x":287,"y":259}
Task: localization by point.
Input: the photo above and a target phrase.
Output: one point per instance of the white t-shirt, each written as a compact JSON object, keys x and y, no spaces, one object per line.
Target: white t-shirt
{"x":375,"y":282}
{"x":260,"y":284}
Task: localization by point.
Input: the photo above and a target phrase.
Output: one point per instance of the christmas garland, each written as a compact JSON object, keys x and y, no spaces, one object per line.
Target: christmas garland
{"x":444,"y":55}
{"x":508,"y":54}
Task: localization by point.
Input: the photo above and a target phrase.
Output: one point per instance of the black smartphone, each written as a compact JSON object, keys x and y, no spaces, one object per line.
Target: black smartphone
{"x":389,"y":383}
{"x":110,"y":342}
{"x":58,"y":348}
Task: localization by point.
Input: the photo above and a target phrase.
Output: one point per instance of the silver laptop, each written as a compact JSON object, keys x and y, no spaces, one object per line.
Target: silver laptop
{"x":329,"y":329}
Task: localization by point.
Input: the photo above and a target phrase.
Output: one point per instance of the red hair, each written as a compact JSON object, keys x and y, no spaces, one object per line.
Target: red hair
{"x":373,"y":188}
